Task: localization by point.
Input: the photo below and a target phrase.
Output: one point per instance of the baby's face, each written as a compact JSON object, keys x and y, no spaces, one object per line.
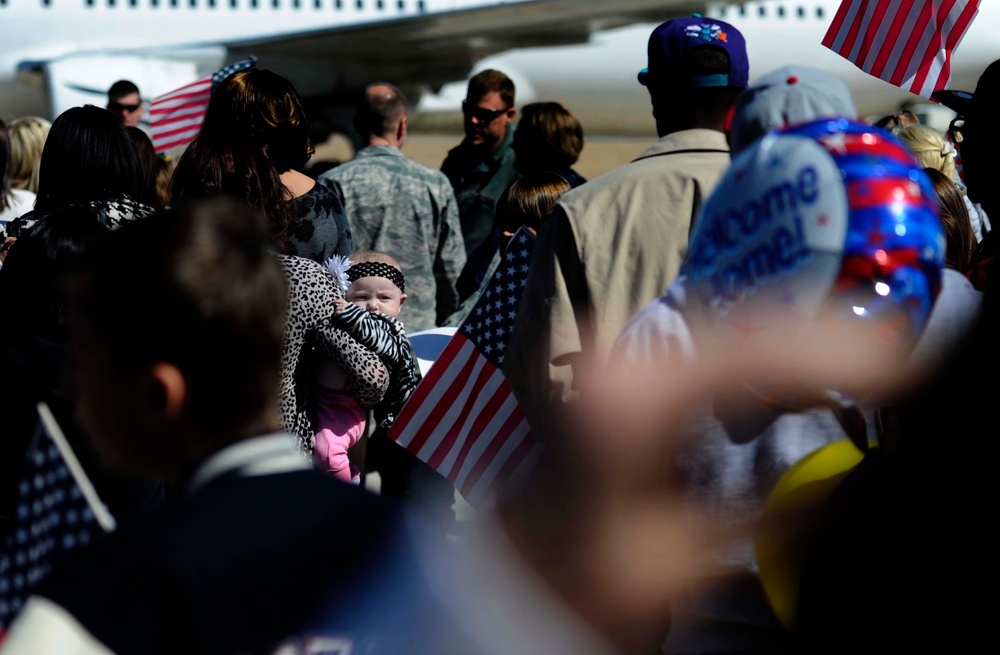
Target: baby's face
{"x":376,"y":294}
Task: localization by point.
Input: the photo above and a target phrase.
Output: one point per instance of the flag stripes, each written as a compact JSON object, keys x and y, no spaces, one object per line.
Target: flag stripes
{"x":176,"y":117}
{"x":908,"y":43}
{"x":463,"y":419}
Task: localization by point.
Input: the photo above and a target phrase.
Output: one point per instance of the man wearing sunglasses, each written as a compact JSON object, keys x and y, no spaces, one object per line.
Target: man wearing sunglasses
{"x":482,"y":166}
{"x":124,"y":102}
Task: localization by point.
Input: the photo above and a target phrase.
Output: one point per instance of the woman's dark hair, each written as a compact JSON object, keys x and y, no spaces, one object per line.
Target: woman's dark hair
{"x":238,"y":168}
{"x":34,"y":275}
{"x":960,"y":238}
{"x":548,"y":137}
{"x":261,"y":105}
{"x":148,"y":159}
{"x":88,"y":155}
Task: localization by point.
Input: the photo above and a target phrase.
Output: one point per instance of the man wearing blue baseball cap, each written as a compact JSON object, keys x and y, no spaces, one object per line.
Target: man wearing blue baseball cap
{"x":614,"y":244}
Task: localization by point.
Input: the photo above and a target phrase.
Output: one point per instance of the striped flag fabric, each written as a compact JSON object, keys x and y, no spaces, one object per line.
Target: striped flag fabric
{"x":908,"y":43}
{"x":58,"y":511}
{"x":175,"y":117}
{"x":462,"y":419}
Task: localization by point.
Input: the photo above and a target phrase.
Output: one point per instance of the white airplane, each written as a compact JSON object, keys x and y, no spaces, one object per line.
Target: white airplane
{"x":597,"y":80}
{"x":55,"y":54}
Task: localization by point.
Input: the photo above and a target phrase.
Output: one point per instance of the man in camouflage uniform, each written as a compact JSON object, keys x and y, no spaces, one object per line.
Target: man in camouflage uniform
{"x":398,"y":206}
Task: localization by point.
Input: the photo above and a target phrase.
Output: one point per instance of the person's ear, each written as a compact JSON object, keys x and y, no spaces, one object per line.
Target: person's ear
{"x":402,"y":299}
{"x":401,"y":130}
{"x":168,"y":391}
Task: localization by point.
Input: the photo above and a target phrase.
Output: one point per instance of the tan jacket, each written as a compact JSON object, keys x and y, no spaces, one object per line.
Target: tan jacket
{"x":609,"y":247}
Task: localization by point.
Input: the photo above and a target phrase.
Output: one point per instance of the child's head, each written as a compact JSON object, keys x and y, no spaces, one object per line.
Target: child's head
{"x":177,"y":327}
{"x":376,"y":283}
{"x":527,"y":201}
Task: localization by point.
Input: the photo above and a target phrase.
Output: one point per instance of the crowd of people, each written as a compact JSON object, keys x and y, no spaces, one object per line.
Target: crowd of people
{"x":223,"y":339}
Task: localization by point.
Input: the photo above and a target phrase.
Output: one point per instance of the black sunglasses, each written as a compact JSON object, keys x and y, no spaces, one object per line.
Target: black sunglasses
{"x":117,"y":107}
{"x":482,"y":114}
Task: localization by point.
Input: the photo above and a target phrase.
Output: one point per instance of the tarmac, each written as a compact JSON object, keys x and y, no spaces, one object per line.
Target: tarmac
{"x":600,"y":153}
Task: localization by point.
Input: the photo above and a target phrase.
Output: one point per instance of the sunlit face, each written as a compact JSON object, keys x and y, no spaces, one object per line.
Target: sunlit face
{"x":376,"y":294}
{"x":128,"y":108}
{"x":487,"y":120}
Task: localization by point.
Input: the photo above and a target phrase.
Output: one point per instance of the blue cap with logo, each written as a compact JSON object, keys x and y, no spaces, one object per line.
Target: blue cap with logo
{"x":671,"y":43}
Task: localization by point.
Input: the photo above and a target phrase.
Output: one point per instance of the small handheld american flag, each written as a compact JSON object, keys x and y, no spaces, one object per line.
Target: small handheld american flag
{"x":58,"y":511}
{"x":462,"y":419}
{"x":176,"y":117}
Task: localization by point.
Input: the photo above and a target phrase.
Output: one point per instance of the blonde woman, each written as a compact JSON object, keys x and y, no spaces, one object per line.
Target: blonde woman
{"x":932,"y":150}
{"x":27,"y":137}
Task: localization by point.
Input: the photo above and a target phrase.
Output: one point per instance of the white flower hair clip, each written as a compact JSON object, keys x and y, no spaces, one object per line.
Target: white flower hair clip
{"x":338,"y":265}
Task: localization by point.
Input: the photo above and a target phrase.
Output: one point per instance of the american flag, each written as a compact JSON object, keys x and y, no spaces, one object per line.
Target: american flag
{"x":57,"y":512}
{"x":175,"y":117}
{"x":907,"y":43}
{"x":462,"y":419}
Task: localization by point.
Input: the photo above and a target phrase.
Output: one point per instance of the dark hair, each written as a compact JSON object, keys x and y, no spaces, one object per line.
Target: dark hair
{"x":34,"y":275}
{"x":547,"y":137}
{"x":529,"y":199}
{"x":490,"y":81}
{"x":894,"y":121}
{"x":238,"y":169}
{"x":961,"y":239}
{"x":196,"y":287}
{"x":6,"y":195}
{"x":88,"y":155}
{"x":677,"y":107}
{"x":261,"y":105}
{"x":147,"y":158}
{"x":380,"y":110}
{"x":121,"y":88}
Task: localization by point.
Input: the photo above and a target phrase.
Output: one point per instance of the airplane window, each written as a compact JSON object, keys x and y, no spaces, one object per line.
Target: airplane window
{"x":193,"y":4}
{"x":317,"y":4}
{"x":360,"y":4}
{"x":253,"y":3}
{"x":762,"y":11}
{"x":211,"y":3}
{"x":154,"y":3}
{"x":801,"y":11}
{"x":781,"y":12}
{"x":743,"y":11}
{"x":340,"y":4}
{"x":275,"y":4}
{"x":819,"y":12}
{"x":400,"y":5}
{"x":133,"y":3}
{"x":111,"y":3}
{"x":380,"y":4}
{"x":232,"y":4}
{"x":297,"y":4}
{"x":421,"y":7}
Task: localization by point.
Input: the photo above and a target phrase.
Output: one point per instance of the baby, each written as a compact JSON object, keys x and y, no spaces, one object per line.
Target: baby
{"x":374,"y":294}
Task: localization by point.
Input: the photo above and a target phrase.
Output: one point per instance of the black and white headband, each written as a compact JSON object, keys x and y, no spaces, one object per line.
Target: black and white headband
{"x":377,"y":269}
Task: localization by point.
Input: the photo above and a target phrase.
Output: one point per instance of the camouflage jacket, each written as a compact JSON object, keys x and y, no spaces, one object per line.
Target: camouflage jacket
{"x":405,"y":209}
{"x":478,"y":182}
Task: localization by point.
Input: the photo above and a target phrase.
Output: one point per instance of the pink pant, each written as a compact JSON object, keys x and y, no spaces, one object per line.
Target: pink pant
{"x":341,"y":424}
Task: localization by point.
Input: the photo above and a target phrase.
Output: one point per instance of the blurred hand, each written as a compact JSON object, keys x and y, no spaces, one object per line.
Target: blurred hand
{"x":603,"y":522}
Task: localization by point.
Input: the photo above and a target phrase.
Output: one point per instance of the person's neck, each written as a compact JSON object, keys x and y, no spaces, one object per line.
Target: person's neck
{"x":384,"y":141}
{"x":297,"y":183}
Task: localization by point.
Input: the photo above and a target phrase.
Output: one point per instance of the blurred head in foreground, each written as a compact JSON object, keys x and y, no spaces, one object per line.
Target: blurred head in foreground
{"x":177,"y":325}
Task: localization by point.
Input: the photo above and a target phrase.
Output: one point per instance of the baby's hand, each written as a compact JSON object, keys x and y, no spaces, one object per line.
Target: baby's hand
{"x":339,"y":306}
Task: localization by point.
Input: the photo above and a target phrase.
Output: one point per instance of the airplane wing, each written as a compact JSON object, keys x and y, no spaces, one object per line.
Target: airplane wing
{"x":442,"y":47}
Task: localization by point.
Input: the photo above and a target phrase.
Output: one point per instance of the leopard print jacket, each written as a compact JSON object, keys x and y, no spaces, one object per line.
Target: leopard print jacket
{"x":310,"y":332}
